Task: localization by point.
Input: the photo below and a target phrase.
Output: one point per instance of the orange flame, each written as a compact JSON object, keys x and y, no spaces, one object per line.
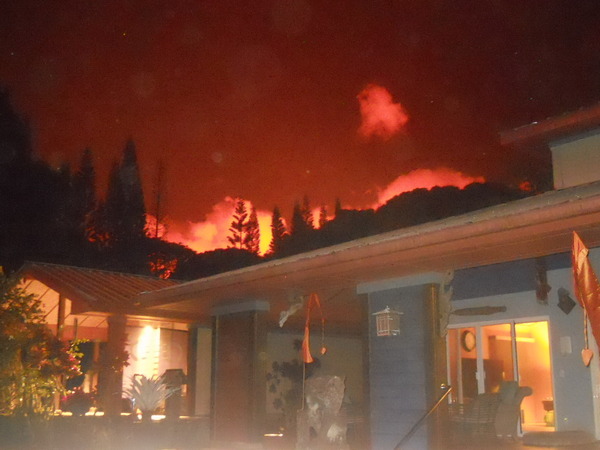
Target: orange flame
{"x":212,"y":233}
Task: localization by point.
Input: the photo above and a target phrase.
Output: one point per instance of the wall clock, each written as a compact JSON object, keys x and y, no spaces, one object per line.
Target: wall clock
{"x":467,"y":340}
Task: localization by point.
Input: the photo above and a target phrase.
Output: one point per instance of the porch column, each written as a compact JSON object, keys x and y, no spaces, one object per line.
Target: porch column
{"x":239,"y":372}
{"x":435,"y":367}
{"x":60,"y":320}
{"x":192,"y":373}
{"x":406,"y":370}
{"x":111,"y":369}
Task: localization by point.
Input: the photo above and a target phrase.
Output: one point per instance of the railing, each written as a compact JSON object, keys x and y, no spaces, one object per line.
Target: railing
{"x":416,"y":426}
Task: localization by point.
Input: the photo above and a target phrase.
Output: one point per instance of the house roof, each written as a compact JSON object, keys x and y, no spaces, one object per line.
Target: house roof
{"x":93,"y":290}
{"x":531,"y":227}
{"x":553,"y":128}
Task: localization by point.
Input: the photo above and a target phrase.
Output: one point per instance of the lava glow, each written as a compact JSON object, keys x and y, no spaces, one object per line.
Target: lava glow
{"x":381,"y":117}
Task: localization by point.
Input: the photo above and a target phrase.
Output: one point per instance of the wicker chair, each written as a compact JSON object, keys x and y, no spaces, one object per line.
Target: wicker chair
{"x":491,"y":414}
{"x":476,"y":417}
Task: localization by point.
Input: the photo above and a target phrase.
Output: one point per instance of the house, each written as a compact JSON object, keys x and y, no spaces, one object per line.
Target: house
{"x":98,"y":307}
{"x":485,"y":296}
{"x":499,"y":278}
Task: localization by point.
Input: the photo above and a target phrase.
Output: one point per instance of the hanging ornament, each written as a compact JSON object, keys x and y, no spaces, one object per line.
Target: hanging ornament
{"x":586,"y":354}
{"x":306,"y":355}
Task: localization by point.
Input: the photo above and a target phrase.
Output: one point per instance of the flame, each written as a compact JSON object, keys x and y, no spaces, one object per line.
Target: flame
{"x":154,"y":229}
{"x":426,"y":179}
{"x":381,"y":117}
{"x":212,"y":232}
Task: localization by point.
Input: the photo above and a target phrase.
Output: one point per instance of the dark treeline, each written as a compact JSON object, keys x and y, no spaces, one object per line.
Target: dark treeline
{"x":54,"y":215}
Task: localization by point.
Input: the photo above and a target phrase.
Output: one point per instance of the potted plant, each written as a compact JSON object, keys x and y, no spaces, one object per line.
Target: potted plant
{"x":147,"y":394}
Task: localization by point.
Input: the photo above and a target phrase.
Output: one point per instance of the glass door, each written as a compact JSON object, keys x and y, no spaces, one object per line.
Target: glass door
{"x":481,"y":357}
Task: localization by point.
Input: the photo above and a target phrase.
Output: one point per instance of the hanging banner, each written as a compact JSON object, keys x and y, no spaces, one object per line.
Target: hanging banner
{"x":306,"y":355}
{"x":587,"y":290}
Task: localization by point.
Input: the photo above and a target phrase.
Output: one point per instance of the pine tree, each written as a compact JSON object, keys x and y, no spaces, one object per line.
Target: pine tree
{"x":125,"y":210}
{"x":84,"y":194}
{"x":113,"y":208}
{"x":298,"y":225}
{"x":159,"y":201}
{"x":30,"y":193}
{"x":338,"y":208}
{"x":323,"y":217}
{"x":278,"y":231}
{"x":252,"y":237}
{"x":307,"y":214}
{"x":133,"y":194}
{"x":238,"y":225}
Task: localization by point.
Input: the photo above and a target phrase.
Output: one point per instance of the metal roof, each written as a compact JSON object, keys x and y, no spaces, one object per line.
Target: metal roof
{"x":93,"y":290}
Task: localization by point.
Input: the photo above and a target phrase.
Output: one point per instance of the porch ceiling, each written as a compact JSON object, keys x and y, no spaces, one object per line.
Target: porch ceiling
{"x":527,"y":228}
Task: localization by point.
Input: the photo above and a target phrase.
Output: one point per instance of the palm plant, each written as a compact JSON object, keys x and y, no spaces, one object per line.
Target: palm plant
{"x":147,"y":394}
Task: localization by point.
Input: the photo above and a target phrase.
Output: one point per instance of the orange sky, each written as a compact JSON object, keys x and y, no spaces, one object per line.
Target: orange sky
{"x":273,"y":100}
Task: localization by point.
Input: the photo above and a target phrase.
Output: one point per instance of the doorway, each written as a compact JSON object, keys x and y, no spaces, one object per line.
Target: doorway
{"x":482,"y":356}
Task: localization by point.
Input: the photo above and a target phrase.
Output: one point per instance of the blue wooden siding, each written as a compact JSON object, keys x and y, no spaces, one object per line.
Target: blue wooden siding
{"x":397,"y":370}
{"x":503,"y":278}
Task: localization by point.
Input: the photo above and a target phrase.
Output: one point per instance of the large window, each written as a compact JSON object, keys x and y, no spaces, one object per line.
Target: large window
{"x":481,"y":356}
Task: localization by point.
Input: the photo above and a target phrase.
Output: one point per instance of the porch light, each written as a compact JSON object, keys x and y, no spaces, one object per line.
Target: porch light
{"x":387,"y":322}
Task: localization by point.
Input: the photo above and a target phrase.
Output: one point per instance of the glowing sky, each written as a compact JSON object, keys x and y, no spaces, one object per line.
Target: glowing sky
{"x":271,"y":100}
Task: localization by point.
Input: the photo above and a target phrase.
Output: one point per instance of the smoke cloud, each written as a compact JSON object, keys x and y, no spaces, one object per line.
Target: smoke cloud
{"x":381,"y":117}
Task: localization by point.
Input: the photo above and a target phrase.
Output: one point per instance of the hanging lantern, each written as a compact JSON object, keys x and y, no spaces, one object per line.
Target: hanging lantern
{"x":387,"y":322}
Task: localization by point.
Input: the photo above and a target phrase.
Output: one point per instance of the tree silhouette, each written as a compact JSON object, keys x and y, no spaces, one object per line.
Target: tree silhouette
{"x":123,"y":219}
{"x":307,"y":215}
{"x":323,"y":216}
{"x":159,"y":194}
{"x":30,"y":194}
{"x":278,"y":232}
{"x":298,"y":226}
{"x":237,"y":238}
{"x":15,"y":135}
{"x":84,"y":193}
{"x":125,"y":209}
{"x":252,"y":237}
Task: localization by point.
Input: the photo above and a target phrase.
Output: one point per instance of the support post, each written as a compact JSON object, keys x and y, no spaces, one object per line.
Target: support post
{"x":111,"y":371}
{"x":192,"y":373}
{"x":239,"y":375}
{"x":436,"y":369}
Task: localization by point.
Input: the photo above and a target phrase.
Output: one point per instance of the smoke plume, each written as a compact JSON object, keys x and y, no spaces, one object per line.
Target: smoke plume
{"x":381,"y":117}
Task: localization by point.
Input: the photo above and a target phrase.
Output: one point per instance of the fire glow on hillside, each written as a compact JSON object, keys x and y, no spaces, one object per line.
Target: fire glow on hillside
{"x":212,"y":233}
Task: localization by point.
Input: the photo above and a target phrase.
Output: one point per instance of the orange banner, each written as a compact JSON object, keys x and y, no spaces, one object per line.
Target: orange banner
{"x":312,"y":302}
{"x":587,"y":288}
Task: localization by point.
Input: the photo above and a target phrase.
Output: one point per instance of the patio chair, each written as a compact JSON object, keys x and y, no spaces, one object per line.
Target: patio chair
{"x":494,"y":414}
{"x":476,"y":417}
{"x":509,"y":408}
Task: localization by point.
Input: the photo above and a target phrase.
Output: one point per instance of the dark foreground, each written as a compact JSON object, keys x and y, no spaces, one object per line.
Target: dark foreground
{"x":122,"y":433}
